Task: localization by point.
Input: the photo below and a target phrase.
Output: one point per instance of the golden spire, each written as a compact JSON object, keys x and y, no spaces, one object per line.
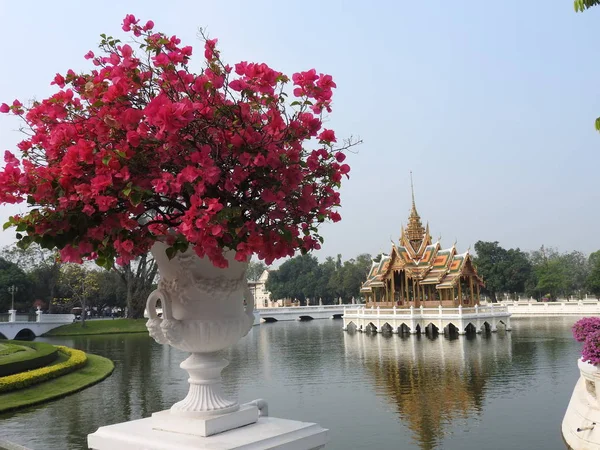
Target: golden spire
{"x":414,"y":229}
{"x":412,"y":191}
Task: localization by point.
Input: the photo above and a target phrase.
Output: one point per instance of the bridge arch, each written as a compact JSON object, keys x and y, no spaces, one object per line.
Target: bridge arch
{"x":403,"y":329}
{"x":451,"y":329}
{"x":386,"y":328}
{"x":371,"y":328}
{"x":351,"y":326}
{"x":486,"y":327}
{"x":470,"y":328}
{"x":418,"y":329}
{"x":269,"y":319}
{"x":431,"y":329}
{"x":503,"y":324}
{"x":25,"y":334}
{"x":305,"y":318}
{"x":2,"y":336}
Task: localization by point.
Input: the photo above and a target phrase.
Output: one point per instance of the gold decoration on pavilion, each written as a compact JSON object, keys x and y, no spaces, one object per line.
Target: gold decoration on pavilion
{"x":418,"y":272}
{"x":414,"y":230}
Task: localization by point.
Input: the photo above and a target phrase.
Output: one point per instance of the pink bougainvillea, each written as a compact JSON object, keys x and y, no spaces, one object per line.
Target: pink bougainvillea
{"x":591,"y":348}
{"x":141,"y":148}
{"x":584,"y":327}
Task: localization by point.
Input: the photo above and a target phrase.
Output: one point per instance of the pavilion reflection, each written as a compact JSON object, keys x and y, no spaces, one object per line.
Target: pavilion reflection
{"x":434,"y":384}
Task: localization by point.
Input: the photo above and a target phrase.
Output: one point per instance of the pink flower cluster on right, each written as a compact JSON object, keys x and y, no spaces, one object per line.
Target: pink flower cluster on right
{"x":587,"y":330}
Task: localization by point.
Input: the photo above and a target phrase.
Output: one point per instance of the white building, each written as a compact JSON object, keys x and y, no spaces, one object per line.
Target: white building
{"x":262,"y":297}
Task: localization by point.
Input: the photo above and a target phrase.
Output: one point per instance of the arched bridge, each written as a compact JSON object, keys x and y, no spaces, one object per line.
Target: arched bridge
{"x":24,"y":328}
{"x":303,"y":312}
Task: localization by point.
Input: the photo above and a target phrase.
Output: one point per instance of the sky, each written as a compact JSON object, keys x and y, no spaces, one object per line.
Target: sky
{"x":491,"y":105}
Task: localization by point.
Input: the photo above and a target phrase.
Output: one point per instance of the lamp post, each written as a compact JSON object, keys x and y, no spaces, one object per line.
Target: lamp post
{"x":12,"y":289}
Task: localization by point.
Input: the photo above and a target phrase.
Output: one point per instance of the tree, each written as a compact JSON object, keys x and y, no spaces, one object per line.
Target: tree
{"x":489,"y":260}
{"x":502,"y":270}
{"x":138,"y":279}
{"x":576,"y":270}
{"x":295,"y":279}
{"x":255,"y":270}
{"x":82,"y":286}
{"x":582,"y":5}
{"x":592,"y":281}
{"x":11,"y":274}
{"x":42,"y":266}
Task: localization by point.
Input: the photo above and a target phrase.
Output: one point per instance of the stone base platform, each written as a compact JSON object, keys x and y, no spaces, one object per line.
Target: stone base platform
{"x":266,"y":433}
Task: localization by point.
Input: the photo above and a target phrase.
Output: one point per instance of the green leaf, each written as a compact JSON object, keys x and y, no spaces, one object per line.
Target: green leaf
{"x":19,"y":236}
{"x":22,"y":227}
{"x":127,"y":190}
{"x":7,"y":225}
{"x":106,"y":160}
{"x":171,"y":252}
{"x":135,"y":198}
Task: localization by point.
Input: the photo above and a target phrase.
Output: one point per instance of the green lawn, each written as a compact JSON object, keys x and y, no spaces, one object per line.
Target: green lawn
{"x":9,"y":349}
{"x":96,"y":370}
{"x":105,"y":326}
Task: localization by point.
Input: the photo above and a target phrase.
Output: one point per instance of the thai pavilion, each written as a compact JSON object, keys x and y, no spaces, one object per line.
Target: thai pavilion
{"x":418,"y":272}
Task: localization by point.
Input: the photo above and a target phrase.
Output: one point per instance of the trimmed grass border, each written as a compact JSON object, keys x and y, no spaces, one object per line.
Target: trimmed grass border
{"x":42,"y":355}
{"x":96,"y":370}
{"x":101,"y":326}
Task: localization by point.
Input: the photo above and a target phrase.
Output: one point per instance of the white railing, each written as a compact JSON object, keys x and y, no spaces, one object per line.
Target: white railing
{"x":581,"y":307}
{"x":308,"y":308}
{"x":429,"y":312}
{"x":55,"y":318}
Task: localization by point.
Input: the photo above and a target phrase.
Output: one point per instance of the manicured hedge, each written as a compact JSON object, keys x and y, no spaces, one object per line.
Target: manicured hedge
{"x":43,"y":355}
{"x":77,"y":359}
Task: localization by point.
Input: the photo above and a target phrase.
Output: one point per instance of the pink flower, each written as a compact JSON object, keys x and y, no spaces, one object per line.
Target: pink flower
{"x":127,"y":246}
{"x":128,"y":21}
{"x":89,"y":55}
{"x":340,"y":157}
{"x":209,"y":48}
{"x":327,"y":135}
{"x":59,"y":80}
{"x":4,"y":108}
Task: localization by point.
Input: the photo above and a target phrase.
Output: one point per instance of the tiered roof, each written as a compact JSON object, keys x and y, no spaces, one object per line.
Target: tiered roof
{"x":421,"y":259}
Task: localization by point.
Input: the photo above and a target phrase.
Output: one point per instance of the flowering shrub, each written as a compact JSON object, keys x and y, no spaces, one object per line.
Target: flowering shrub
{"x":591,"y":348}
{"x":141,"y":148}
{"x":77,"y":359}
{"x":584,"y":327}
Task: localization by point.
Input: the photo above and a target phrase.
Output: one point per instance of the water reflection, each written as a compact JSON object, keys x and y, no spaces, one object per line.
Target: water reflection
{"x":504,"y":390}
{"x":431,"y":381}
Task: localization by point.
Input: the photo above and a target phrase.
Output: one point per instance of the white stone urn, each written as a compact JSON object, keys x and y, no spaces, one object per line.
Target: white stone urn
{"x":205,"y":309}
{"x":591,"y":375}
{"x":579,"y":428}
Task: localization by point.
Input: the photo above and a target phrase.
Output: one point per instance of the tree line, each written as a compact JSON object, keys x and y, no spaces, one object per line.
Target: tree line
{"x":542,"y":274}
{"x":41,"y":279}
{"x":303,"y":277}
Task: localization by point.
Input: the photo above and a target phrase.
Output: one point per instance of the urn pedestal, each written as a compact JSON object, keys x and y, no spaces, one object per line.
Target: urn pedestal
{"x":205,"y":309}
{"x":581,"y":423}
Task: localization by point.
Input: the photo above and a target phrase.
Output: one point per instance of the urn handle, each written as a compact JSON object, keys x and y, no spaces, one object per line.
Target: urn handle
{"x":249,"y":297}
{"x":153,"y":299}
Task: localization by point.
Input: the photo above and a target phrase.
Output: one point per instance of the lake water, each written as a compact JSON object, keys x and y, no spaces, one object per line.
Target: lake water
{"x":496,"y":391}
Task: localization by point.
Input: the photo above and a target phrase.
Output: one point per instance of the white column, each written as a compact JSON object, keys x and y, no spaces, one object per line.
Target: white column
{"x":38,"y":314}
{"x":12,"y":315}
